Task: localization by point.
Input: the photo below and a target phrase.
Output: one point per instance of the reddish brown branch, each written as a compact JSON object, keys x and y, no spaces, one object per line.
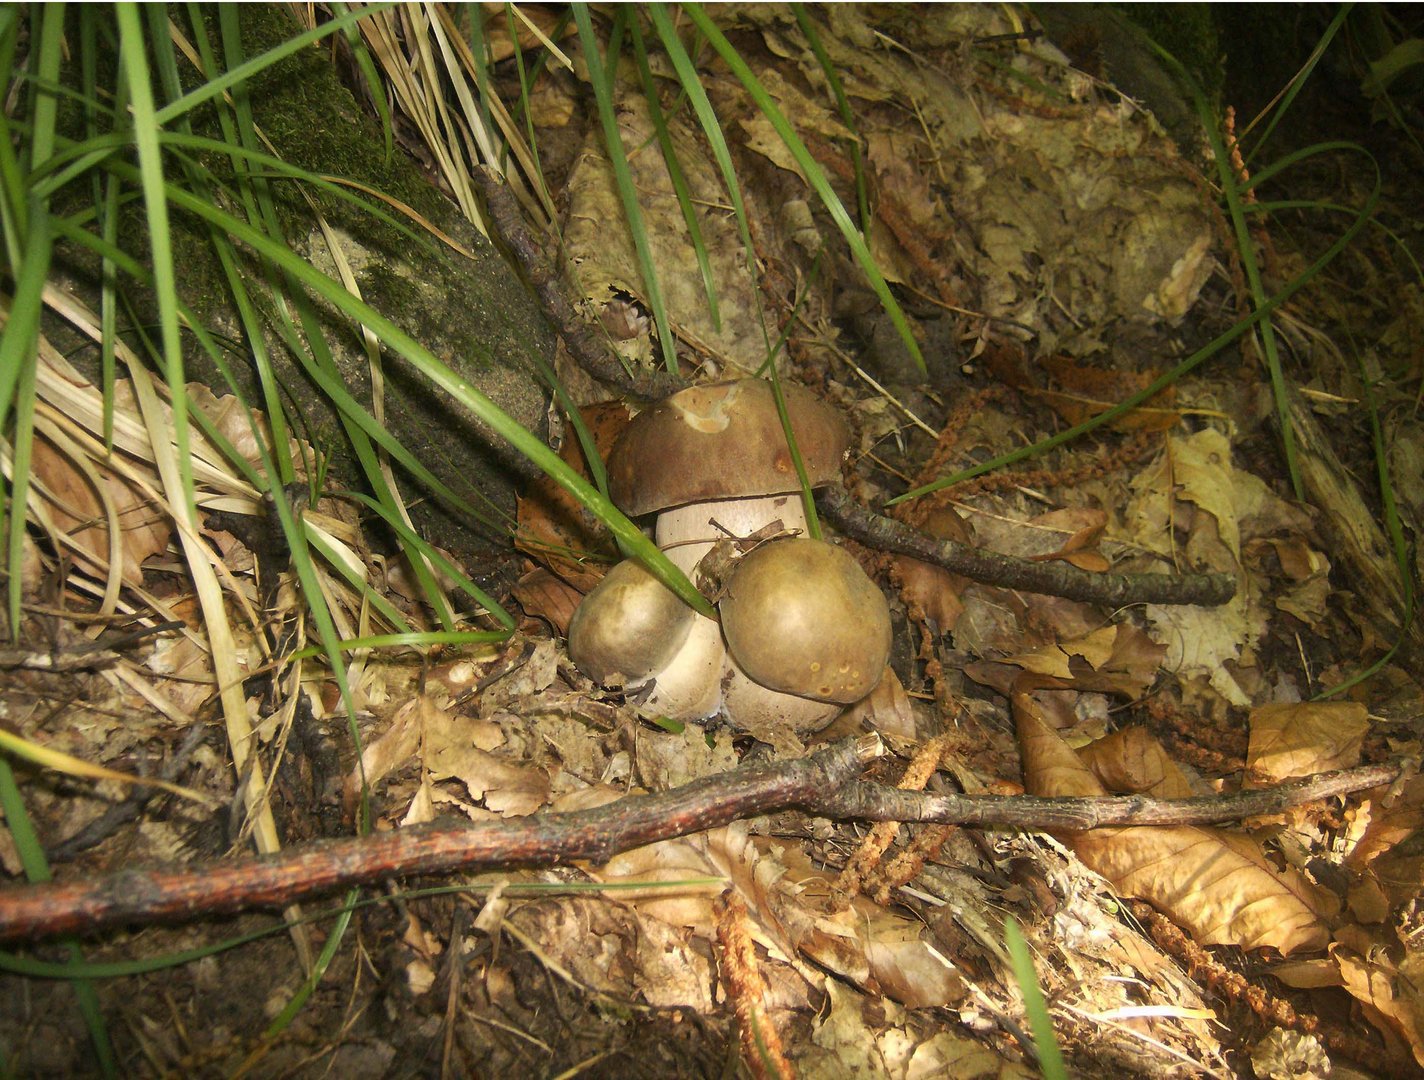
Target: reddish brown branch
{"x":1005,"y":571}
{"x":822,"y":783}
{"x":133,"y":896}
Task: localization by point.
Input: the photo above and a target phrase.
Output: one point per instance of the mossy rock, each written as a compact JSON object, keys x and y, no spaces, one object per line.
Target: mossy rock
{"x":471,"y":312}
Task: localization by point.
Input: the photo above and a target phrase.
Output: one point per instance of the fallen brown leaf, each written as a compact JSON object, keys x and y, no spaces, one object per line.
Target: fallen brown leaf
{"x":1289,"y":740}
{"x":555,"y":528}
{"x":1219,"y":885}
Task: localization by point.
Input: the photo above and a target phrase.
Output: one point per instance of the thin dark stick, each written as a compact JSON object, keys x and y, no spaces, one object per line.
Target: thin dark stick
{"x":1005,"y":571}
{"x":588,"y":350}
{"x":876,"y":802}
{"x":822,"y":783}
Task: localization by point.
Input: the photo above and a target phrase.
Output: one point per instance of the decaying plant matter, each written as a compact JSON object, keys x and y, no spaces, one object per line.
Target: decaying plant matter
{"x":822,"y":783}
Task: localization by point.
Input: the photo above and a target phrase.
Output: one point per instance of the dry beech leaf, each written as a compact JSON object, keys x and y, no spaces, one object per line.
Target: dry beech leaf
{"x":1388,"y":994}
{"x":555,"y":528}
{"x":1132,"y":762}
{"x":1084,"y":526}
{"x":452,"y":743}
{"x":616,"y":950}
{"x":933,"y":589}
{"x":886,"y":710}
{"x":508,"y":788}
{"x":77,"y":509}
{"x":1114,"y":659}
{"x":791,"y":905}
{"x":1219,"y":885}
{"x":544,"y":595}
{"x":1289,"y":740}
{"x":1388,"y":825}
{"x":244,"y":427}
{"x":878,"y":950}
{"x":1084,"y":391}
{"x":604,"y":258}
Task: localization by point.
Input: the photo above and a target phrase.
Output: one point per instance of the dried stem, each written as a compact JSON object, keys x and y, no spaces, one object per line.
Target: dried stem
{"x":1005,"y":571}
{"x":822,"y":783}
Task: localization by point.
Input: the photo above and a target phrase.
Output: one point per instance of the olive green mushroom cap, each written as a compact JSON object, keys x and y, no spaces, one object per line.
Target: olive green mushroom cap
{"x":628,"y":628}
{"x":723,"y":441}
{"x":802,"y":617}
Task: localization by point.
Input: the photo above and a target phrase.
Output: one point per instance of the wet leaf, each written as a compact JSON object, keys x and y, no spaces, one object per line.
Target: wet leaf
{"x":555,"y":528}
{"x":1081,"y":391}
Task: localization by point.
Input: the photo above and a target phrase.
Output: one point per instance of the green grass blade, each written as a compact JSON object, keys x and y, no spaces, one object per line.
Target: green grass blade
{"x":696,"y":93}
{"x":375,"y":87}
{"x":413,"y":640}
{"x":134,"y":63}
{"x":808,"y":500}
{"x":289,"y":1013}
{"x":19,"y":346}
{"x":523,"y":114}
{"x":1299,"y":80}
{"x":36,"y":868}
{"x":419,"y":548}
{"x":1050,"y":1058}
{"x":13,"y":181}
{"x":1394,"y":530}
{"x":602,"y":81}
{"x":814,"y":174}
{"x":49,"y":41}
{"x":624,"y":531}
{"x":833,"y":80}
{"x":214,"y":88}
{"x":383,"y":607}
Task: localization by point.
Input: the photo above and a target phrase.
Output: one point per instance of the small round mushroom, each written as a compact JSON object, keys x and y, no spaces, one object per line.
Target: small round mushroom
{"x":718,"y":451}
{"x":801,"y":617}
{"x":629,"y":627}
{"x":631,"y":630}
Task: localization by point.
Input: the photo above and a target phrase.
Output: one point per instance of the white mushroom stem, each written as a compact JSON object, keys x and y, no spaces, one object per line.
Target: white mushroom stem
{"x":686,"y":533}
{"x":752,"y":707}
{"x":690,"y":686}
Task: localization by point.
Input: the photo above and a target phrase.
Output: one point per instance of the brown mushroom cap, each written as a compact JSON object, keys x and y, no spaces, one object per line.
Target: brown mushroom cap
{"x":722,"y":441}
{"x":628,"y":628}
{"x":800,"y":616}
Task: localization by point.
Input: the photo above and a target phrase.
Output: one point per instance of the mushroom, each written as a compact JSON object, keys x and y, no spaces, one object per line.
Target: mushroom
{"x":802,"y":618}
{"x":770,"y":715}
{"x":628,"y":628}
{"x":631,"y":630}
{"x":718,"y":452}
{"x":805,"y":630}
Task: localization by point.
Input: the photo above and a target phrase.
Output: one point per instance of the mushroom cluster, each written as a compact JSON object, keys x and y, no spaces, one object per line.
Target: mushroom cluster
{"x":803,"y":633}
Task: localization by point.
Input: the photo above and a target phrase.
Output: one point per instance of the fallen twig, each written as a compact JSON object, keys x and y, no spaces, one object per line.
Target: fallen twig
{"x":822,"y":783}
{"x":1005,"y":571}
{"x":584,"y":345}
